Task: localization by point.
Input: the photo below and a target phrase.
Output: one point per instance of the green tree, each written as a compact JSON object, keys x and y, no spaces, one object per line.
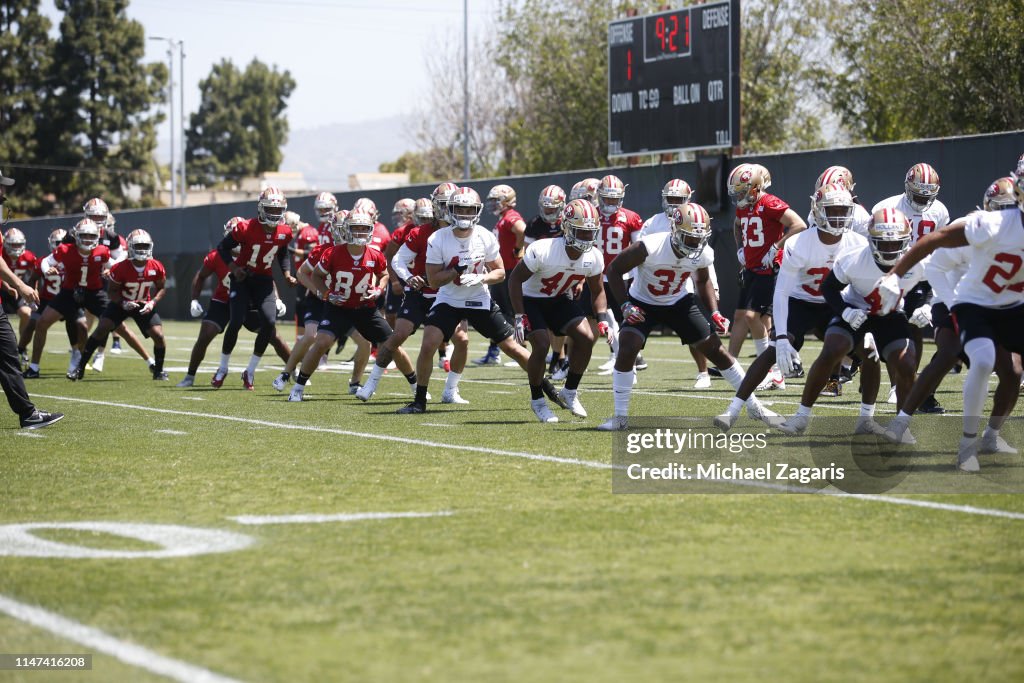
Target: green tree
{"x":25,"y":58}
{"x":240,"y":127}
{"x":102,"y":104}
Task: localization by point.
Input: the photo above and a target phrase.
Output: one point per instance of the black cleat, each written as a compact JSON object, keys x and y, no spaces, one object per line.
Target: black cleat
{"x":76,"y":374}
{"x":552,"y":394}
{"x":931,"y":406}
{"x":640,"y":363}
{"x":39,"y":419}
{"x":160,"y":376}
{"x":412,"y":409}
{"x":30,"y":374}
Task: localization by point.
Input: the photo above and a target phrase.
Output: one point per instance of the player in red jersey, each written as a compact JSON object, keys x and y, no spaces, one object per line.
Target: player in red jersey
{"x":326,"y":205}
{"x":306,"y":238}
{"x":137,"y":286}
{"x":422,"y":214}
{"x":218,"y":315}
{"x":511,"y":232}
{"x":263,"y":240}
{"x":402,"y":213}
{"x":763,"y":224}
{"x":83,"y":264}
{"x":48,"y":286}
{"x":23,"y":263}
{"x":357,"y":271}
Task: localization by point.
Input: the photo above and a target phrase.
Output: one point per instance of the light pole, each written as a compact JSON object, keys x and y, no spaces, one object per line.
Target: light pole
{"x":465,"y":88}
{"x":180,"y":44}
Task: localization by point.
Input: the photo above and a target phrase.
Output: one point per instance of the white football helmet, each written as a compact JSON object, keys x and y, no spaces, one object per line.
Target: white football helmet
{"x":325,"y":205}
{"x":832,"y":207}
{"x":610,"y":193}
{"x":551,"y":203}
{"x":889,"y":235}
{"x":675,"y":193}
{"x":270,"y":207}
{"x":56,"y":238}
{"x":581,"y":223}
{"x":691,"y":229}
{"x":921,"y":186}
{"x":96,"y":210}
{"x":87,"y":233}
{"x":140,"y":245}
{"x":14,"y":243}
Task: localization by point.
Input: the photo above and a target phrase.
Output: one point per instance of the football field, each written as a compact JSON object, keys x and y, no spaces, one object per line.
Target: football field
{"x":202,"y":534}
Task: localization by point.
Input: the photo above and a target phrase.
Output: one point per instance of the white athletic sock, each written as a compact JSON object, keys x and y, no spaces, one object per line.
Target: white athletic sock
{"x":990,"y":433}
{"x":622,"y":384}
{"x":569,"y":394}
{"x":982,"y":353}
{"x":761,"y":345}
{"x":903,"y":413}
{"x":150,"y":362}
{"x":253,"y":362}
{"x":225,"y":359}
{"x":451,"y":383}
{"x":803,"y":410}
{"x":734,"y":375}
{"x":736,"y":405}
{"x":867,"y":410}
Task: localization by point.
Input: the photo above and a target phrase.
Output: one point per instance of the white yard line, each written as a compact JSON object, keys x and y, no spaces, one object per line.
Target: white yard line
{"x":966,"y":509}
{"x":340,"y":517}
{"x":94,"y":639}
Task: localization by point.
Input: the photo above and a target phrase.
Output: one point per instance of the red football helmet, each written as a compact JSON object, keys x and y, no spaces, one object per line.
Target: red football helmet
{"x":367,"y":205}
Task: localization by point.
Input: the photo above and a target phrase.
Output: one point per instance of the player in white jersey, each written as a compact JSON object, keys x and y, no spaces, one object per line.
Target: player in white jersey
{"x":799,"y":304}
{"x":850,"y":291}
{"x":462,"y":261}
{"x":988,"y":303}
{"x":662,"y":264}
{"x":841,"y":175}
{"x":920,"y":204}
{"x":541,"y":288}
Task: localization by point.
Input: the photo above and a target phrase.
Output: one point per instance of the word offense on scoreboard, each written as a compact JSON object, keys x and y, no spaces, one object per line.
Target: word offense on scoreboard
{"x":673,"y":80}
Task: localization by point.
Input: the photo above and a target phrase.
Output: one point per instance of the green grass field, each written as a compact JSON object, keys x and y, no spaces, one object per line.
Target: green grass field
{"x":534,"y":571}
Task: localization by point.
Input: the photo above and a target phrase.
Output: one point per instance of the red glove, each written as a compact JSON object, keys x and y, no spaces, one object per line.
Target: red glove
{"x":721,"y":322}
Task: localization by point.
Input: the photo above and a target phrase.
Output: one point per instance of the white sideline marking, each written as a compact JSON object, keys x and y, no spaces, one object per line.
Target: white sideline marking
{"x":170,"y":431}
{"x":192,"y":398}
{"x":499,"y":392}
{"x":97,"y":640}
{"x":340,"y":517}
{"x":435,"y":424}
{"x":966,"y":509}
{"x":30,"y":435}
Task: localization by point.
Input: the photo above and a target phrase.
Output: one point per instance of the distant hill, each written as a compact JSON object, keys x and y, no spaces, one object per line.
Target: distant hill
{"x":326,"y":155}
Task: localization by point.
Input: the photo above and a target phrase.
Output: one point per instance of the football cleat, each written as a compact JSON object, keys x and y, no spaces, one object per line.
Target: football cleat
{"x":160,"y":376}
{"x":218,"y":378}
{"x":39,"y":419}
{"x":795,"y":425}
{"x":797,"y":372}
{"x":296,"y":393}
{"x":76,"y":358}
{"x":247,"y":380}
{"x":553,"y":394}
{"x":453,"y":396}
{"x":413,"y":408}
{"x":616,"y":423}
{"x":573,"y":403}
{"x":931,"y":406}
{"x":365,"y":392}
{"x":76,"y":374}
{"x":281,"y":381}
{"x":898,"y":431}
{"x":561,"y":372}
{"x":490,"y":358}
{"x":892,"y":395}
{"x":97,"y":361}
{"x":994,"y":443}
{"x":967,"y":455}
{"x":833,"y":387}
{"x":30,"y":374}
{"x":703,"y":381}
{"x":608,"y":365}
{"x":640,"y":363}
{"x":867,"y":425}
{"x":185,"y":383}
{"x":444,"y":364}
{"x":115,"y":348}
{"x":353,"y":388}
{"x":757,"y":411}
{"x":543,"y":411}
{"x":725,"y":421}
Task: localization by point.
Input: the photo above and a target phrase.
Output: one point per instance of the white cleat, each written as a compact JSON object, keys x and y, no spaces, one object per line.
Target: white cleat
{"x":897,"y":429}
{"x":703,"y":381}
{"x":97,"y":361}
{"x":609,"y":364}
{"x":561,"y":373}
{"x":76,"y":358}
{"x":892,"y":395}
{"x":757,"y":411}
{"x":725,"y":421}
{"x":575,"y":407}
{"x":795,"y":425}
{"x":616,"y":423}
{"x":543,"y":411}
{"x":967,"y":456}
{"x":995,"y":444}
{"x":366,"y":391}
{"x":185,"y":383}
{"x":453,"y":396}
{"x":296,"y":393}
{"x":280,"y":381}
{"x":867,"y":425}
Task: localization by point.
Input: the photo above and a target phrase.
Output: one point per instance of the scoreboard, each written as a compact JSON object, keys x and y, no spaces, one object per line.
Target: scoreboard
{"x":673,"y":80}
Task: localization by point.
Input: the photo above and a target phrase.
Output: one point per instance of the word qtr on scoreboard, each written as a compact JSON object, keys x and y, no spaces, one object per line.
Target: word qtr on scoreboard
{"x":673,"y":80}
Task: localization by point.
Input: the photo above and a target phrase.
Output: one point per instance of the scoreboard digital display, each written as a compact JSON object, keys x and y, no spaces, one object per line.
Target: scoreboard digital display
{"x":673,"y":80}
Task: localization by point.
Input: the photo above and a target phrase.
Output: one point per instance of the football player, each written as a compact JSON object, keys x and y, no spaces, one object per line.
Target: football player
{"x":546,"y":225}
{"x":402,"y":214}
{"x":137,"y":286}
{"x":850,"y":290}
{"x":263,"y":240}
{"x":799,"y":304}
{"x":541,"y":288}
{"x":306,"y":238}
{"x":218,"y":314}
{"x":422,"y":214}
{"x":511,"y":232}
{"x":23,"y":263}
{"x":988,"y":304}
{"x":919,"y":203}
{"x":763,"y":224}
{"x":657,"y":295}
{"x":48,"y":286}
{"x":462,"y":260}
{"x":409,"y":266}
{"x":325,"y":205}
{"x":357,"y":271}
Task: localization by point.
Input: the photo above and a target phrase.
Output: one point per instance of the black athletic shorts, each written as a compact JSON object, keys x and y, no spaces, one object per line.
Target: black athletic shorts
{"x":887,"y":329}
{"x":219,"y":313}
{"x":415,"y":307}
{"x":309,"y":309}
{"x":489,"y":322}
{"x":918,"y":296}
{"x":586,"y":302}
{"x":756,"y":292}
{"x":683,"y":317}
{"x":1001,"y":325}
{"x":118,"y":315}
{"x":555,"y":313}
{"x":392,"y":301}
{"x":69,"y":301}
{"x":367,"y":321}
{"x":805,"y":317}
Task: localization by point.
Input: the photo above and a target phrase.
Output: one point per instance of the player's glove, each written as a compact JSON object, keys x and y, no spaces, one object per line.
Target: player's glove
{"x":608,"y":328}
{"x":522,"y":327}
{"x":415,"y":283}
{"x":922,"y":317}
{"x":889,"y":292}
{"x":130,"y":305}
{"x":870,"y":347}
{"x":740,"y":258}
{"x":786,"y":356}
{"x":632,"y":314}
{"x":469,"y":280}
{"x":281,"y":309}
{"x":147,"y":308}
{"x":721,"y":322}
{"x":854,"y":317}
{"x":195,"y":308}
{"x":371,"y":293}
{"x":769,"y":259}
{"x":336,"y":298}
